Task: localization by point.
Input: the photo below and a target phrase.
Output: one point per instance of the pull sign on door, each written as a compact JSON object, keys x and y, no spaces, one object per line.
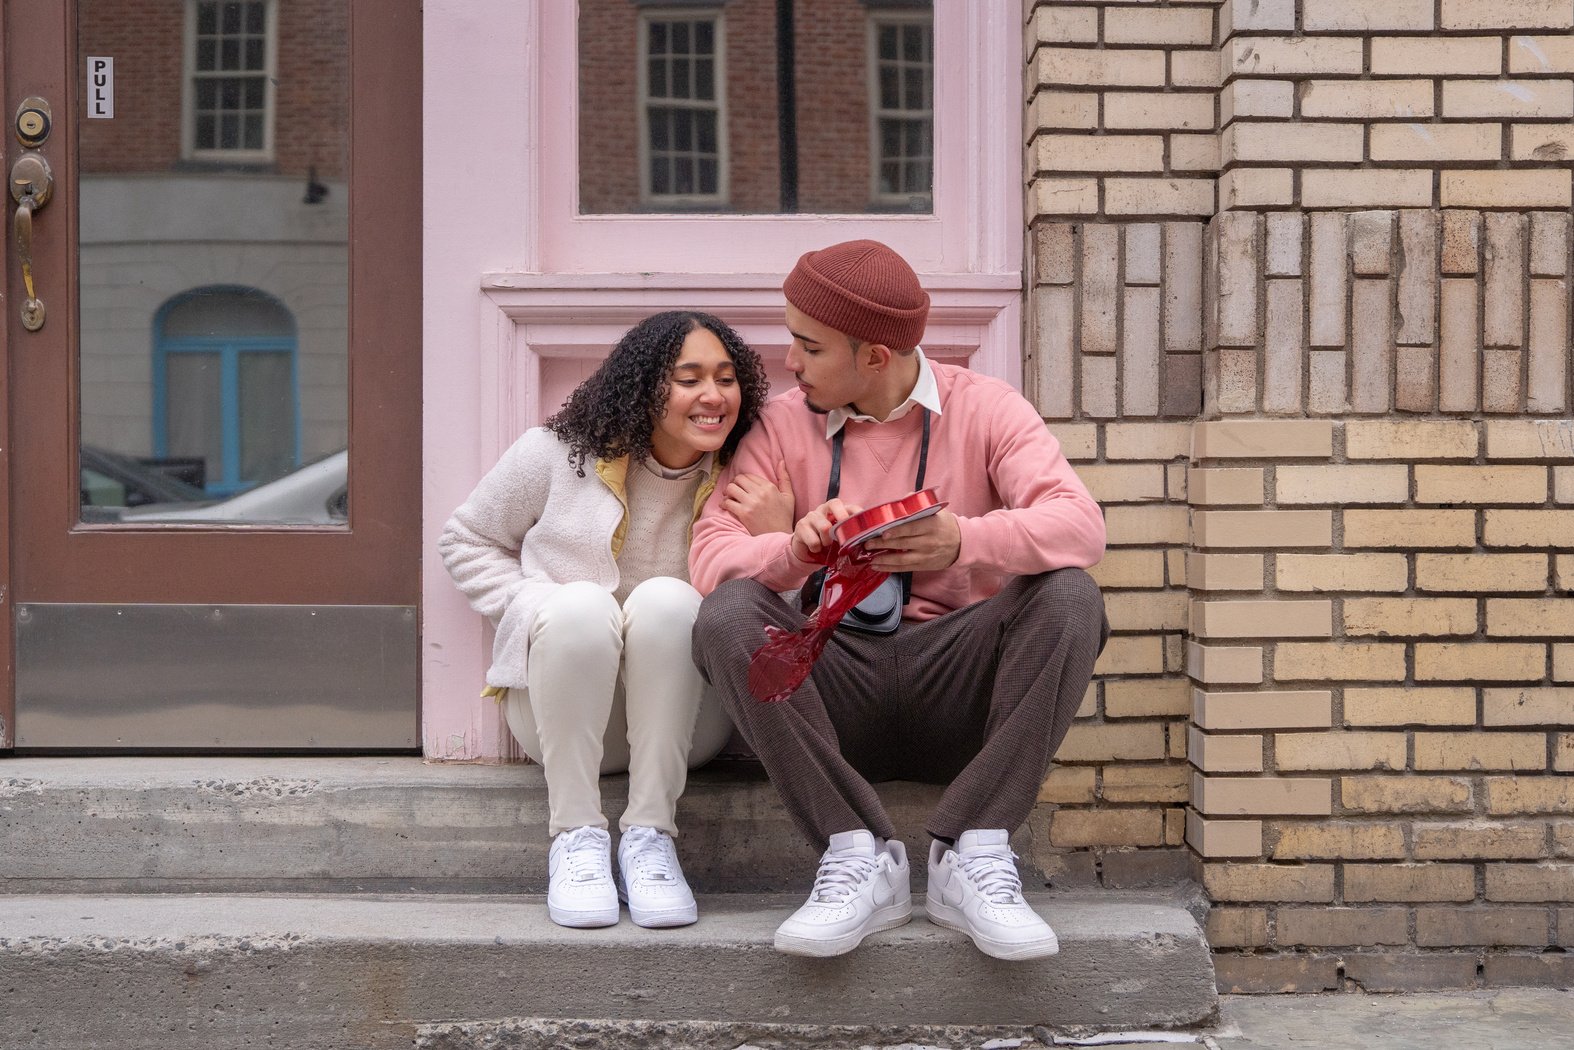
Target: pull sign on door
{"x":101,"y":88}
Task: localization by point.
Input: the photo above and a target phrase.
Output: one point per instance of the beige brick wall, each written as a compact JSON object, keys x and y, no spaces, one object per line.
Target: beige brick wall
{"x":1116,"y":327}
{"x":1310,"y":279}
{"x":1371,"y":313}
{"x":1334,"y":323}
{"x":1341,"y":104}
{"x":1391,"y":788}
{"x":1122,"y":119}
{"x":1120,"y":781}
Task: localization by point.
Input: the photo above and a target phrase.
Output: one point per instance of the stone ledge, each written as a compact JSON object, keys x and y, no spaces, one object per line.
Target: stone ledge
{"x":199,"y":971}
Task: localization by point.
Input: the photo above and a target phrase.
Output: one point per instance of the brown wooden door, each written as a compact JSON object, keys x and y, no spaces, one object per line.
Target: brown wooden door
{"x":230,"y":273}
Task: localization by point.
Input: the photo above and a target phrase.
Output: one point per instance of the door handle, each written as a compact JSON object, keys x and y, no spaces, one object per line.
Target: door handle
{"x":32,"y":184}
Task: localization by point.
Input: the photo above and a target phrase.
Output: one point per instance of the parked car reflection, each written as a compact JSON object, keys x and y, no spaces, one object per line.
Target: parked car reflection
{"x":111,"y":482}
{"x":314,"y":494}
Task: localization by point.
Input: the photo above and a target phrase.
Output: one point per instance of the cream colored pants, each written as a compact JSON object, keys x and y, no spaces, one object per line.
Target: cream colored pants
{"x":614,"y":689}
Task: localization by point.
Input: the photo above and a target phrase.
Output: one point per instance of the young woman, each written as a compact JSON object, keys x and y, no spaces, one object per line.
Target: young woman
{"x":576,"y":546}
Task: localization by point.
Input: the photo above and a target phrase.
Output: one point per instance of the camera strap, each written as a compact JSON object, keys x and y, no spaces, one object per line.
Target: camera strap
{"x":834,"y":487}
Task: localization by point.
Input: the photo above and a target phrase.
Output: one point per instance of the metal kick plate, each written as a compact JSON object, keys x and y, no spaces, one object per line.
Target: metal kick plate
{"x":216,"y":677}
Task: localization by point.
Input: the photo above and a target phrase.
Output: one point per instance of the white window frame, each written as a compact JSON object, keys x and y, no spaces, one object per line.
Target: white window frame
{"x":723,"y":192}
{"x":877,"y":21}
{"x":188,"y":93}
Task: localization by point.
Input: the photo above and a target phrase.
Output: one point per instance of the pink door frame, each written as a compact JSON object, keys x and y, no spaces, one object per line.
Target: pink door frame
{"x":523,"y":294}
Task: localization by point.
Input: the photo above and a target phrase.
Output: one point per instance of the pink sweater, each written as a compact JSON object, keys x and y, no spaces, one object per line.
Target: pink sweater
{"x":1020,"y":508}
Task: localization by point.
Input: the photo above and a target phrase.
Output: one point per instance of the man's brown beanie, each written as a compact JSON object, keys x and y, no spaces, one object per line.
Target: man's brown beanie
{"x":863,"y":289}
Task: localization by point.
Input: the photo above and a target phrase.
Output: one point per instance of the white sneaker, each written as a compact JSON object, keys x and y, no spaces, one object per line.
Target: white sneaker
{"x":650,"y":879}
{"x":860,"y":889}
{"x":975,"y":889}
{"x":580,"y":892}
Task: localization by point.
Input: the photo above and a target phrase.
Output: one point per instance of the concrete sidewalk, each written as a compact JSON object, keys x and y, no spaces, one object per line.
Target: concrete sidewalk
{"x":1507,"y":1019}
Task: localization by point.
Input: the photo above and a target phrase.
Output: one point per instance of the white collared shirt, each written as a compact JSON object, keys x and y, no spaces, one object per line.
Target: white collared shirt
{"x":925,"y":392}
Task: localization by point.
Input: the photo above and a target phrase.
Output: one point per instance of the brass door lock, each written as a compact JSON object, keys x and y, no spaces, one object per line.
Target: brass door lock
{"x":33,"y":122}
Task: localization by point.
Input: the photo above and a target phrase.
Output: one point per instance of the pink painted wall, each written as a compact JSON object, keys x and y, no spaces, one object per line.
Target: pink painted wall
{"x":477,"y":93}
{"x":522,"y":294}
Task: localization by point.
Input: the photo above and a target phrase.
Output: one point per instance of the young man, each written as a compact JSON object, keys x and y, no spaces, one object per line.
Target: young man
{"x":999,"y":633}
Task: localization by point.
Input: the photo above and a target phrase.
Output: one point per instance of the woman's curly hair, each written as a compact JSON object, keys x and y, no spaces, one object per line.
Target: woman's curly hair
{"x":613,"y":413}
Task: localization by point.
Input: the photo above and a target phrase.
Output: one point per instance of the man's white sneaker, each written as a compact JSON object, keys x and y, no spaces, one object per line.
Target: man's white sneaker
{"x":650,"y":879}
{"x":975,"y":889}
{"x":860,"y":889}
{"x":580,"y":892}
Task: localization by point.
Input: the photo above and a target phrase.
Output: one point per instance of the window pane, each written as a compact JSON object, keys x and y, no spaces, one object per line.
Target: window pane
{"x":904,"y":131}
{"x":267,"y":416}
{"x":852,"y":63}
{"x":194,"y":408}
{"x":890,"y":97}
{"x":683,"y":175}
{"x":164,"y":363}
{"x":683,"y":126}
{"x":660,"y":129}
{"x":660,"y":176}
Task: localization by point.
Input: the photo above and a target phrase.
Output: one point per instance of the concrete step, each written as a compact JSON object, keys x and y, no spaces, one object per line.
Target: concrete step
{"x":347,"y":970}
{"x":392,"y":824}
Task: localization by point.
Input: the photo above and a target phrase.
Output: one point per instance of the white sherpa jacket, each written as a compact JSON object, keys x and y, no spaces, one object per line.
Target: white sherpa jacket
{"x":532,"y":525}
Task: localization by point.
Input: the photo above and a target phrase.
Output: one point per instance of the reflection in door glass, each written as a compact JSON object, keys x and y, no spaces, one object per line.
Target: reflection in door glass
{"x":214,"y":262}
{"x":773,"y":106}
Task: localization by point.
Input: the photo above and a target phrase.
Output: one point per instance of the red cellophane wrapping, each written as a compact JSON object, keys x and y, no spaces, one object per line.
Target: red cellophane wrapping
{"x":780,"y":666}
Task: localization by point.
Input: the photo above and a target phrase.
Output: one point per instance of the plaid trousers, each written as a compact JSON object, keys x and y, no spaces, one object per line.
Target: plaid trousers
{"x":978,"y":699}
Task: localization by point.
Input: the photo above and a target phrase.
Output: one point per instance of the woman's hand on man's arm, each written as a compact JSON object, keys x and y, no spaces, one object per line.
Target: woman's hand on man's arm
{"x":760,"y":504}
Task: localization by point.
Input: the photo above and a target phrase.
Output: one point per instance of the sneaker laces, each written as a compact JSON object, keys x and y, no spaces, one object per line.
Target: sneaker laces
{"x":585,"y":855}
{"x":994,"y":874}
{"x":649,"y":855}
{"x":840,"y":876}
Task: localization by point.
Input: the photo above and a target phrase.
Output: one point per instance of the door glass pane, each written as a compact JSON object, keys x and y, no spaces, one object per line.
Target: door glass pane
{"x":214,"y":262}
{"x":267,"y":389}
{"x":682,"y":108}
{"x":193,"y":416}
